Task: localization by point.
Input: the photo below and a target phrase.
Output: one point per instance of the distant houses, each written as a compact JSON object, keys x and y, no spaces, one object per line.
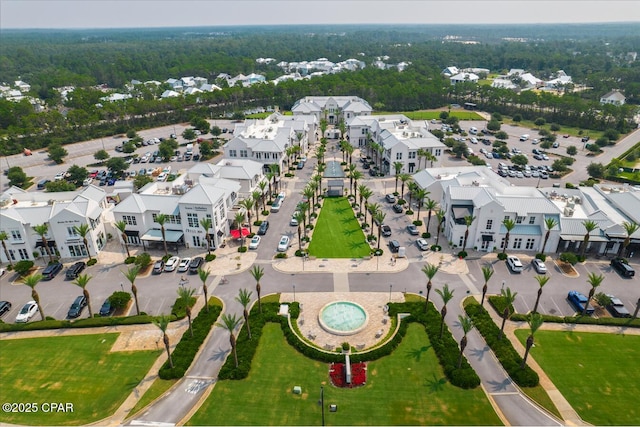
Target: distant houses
{"x":614,"y":97}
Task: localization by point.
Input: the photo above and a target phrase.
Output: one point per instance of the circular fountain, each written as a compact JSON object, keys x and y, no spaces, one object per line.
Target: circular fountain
{"x":343,"y":318}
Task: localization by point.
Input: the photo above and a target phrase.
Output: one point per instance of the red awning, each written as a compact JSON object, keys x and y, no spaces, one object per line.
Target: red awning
{"x":235,"y":233}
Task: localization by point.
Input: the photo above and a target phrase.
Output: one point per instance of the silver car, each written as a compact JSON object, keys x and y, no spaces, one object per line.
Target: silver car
{"x":538,"y":266}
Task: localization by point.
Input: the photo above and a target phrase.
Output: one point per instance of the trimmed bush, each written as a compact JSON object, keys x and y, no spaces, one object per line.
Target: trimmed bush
{"x":462,"y":254}
{"x":242,"y":249}
{"x":143,"y":260}
{"x":281,"y":255}
{"x":541,"y":257}
{"x":436,"y":248}
{"x":179,"y":308}
{"x":502,"y":256}
{"x":119,"y":299}
{"x":426,"y":235}
{"x":409,"y":212}
{"x":209,"y":257}
{"x":130,"y":260}
{"x":569,"y":257}
{"x":417,"y":223}
{"x":23,"y":267}
{"x":91,"y":262}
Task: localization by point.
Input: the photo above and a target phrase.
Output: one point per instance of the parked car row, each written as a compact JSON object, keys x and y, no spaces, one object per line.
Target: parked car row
{"x":174,"y":263}
{"x":54,"y":268}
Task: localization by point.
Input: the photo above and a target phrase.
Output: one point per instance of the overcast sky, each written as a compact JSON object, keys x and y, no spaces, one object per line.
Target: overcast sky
{"x":176,"y":13}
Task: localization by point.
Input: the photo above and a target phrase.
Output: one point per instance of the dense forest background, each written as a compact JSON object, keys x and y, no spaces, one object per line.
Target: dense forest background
{"x":595,"y":55}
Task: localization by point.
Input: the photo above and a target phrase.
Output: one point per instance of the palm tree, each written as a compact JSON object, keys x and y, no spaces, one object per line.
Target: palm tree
{"x":41,"y":230}
{"x":3,"y":238}
{"x":535,"y":320}
{"x":273,"y":168}
{"x":82,"y":281}
{"x":397,"y":166}
{"x":378,"y":218}
{"x":244,"y":298}
{"x":373,"y":208}
{"x":629,"y":228}
{"x":404,"y":178}
{"x":313,"y":185}
{"x":549,"y":223}
{"x":204,"y":275}
{"x":262,"y":185}
{"x":83,"y":230}
{"x":356,"y":175}
{"x":121,"y":226}
{"x":430,"y":271}
{"x":487,"y":272}
{"x":594,"y":280}
{"x":440,"y":217}
{"x":239,"y":218}
{"x":467,"y":325}
{"x":186,"y":295}
{"x":230,"y":322}
{"x":309,"y":192}
{"x":31,"y":281}
{"x":206,"y":223}
{"x":366,"y":197}
{"x":430,"y":206}
{"x":300,"y":218}
{"x":589,"y":226}
{"x":446,"y":294}
{"x":468,"y":220}
{"x":162,"y":323}
{"x":411,"y":189}
{"x":131,"y":274}
{"x":161,"y":219}
{"x":247,"y":204}
{"x":351,"y":169}
{"x":508,"y":300}
{"x":365,"y":192}
{"x":542,"y":280}
{"x":635,"y":313}
{"x":317,"y":178}
{"x":258,"y":273}
{"x":509,"y":224}
{"x":420,"y":194}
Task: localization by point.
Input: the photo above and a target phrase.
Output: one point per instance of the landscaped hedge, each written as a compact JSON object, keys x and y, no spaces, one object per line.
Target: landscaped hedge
{"x":502,"y":348}
{"x":80,"y":323}
{"x":188,"y":346}
{"x":586,"y":320}
{"x":446,"y":348}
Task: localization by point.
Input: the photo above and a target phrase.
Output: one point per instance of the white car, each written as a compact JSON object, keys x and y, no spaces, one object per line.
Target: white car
{"x":255,"y":242}
{"x":294,"y":221}
{"x":422,"y":244}
{"x":26,"y":312}
{"x":514,"y":264}
{"x":172,"y":263}
{"x":184,"y":265}
{"x":539,"y":266}
{"x":59,"y":176}
{"x":162,"y":177}
{"x":283,"y":245}
{"x":282,"y":196}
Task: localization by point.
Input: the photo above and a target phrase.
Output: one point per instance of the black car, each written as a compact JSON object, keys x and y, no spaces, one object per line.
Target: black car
{"x":75,"y":270}
{"x":390,"y":198}
{"x":617,"y":308}
{"x":195,"y":264}
{"x":158,"y":267}
{"x":51,"y":271}
{"x":386,"y":230}
{"x":106,"y":308}
{"x":76,"y":308}
{"x":264,"y":226}
{"x":622,"y":267}
{"x":397,"y":208}
{"x":394,"y":246}
{"x":5,"y":306}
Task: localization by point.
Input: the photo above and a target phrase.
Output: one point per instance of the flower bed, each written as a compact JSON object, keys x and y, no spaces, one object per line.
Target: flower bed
{"x":338,"y":375}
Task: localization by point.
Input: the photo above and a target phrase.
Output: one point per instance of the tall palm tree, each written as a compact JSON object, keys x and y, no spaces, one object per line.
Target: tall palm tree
{"x":629,"y":228}
{"x":365,"y":193}
{"x":122,"y":226}
{"x":349,"y":149}
{"x":535,"y":320}
{"x":373,"y":208}
{"x":131,"y":274}
{"x":430,"y":271}
{"x":487,"y":272}
{"x":411,"y":189}
{"x":446,"y":294}
{"x":430,"y":206}
{"x":397,"y":166}
{"x":542,"y":280}
{"x":351,"y":169}
{"x":379,"y":218}
{"x":161,"y":219}
{"x":275,"y":169}
{"x":3,"y":238}
{"x":404,"y":178}
{"x":204,"y":275}
{"x":300,"y":217}
{"x":83,"y":230}
{"x":509,"y":298}
{"x":440,"y":217}
{"x":366,"y":196}
{"x":83,"y":280}
{"x":313,"y":185}
{"x":239,"y":218}
{"x":360,"y":189}
{"x":262,"y":185}
{"x":420,"y":194}
{"x":31,"y":281}
{"x":468,"y":220}
{"x":509,"y":224}
{"x":186,"y":295}
{"x":207,"y":223}
{"x":247,"y":204}
{"x":550,"y":223}
{"x":270,"y":176}
{"x":258,"y":273}
{"x":356,"y":175}
{"x":230,"y":322}
{"x":42,"y":230}
{"x":162,"y":323}
{"x":467,"y":325}
{"x":244,"y":298}
{"x":309,"y":192}
{"x":589,"y":226}
{"x":594,"y":280}
{"x":317,"y":178}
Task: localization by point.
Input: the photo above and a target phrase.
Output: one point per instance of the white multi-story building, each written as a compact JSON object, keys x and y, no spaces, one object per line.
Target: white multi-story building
{"x":62,"y":212}
{"x":333,"y":109}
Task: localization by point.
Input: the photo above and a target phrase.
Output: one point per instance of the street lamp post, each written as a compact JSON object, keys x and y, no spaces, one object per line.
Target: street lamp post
{"x":294,"y":293}
{"x":122,"y":286}
{"x":322,"y":402}
{"x":503,"y":283}
{"x":390,"y":288}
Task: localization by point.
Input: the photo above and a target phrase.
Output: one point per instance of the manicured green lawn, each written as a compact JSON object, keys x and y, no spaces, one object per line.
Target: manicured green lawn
{"x":337,"y":233}
{"x":597,"y":373}
{"x":428,"y":115}
{"x":405,"y":388}
{"x":75,"y":369}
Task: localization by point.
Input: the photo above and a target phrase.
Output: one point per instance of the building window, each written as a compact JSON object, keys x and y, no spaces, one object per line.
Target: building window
{"x":532,"y":220}
{"x":461,"y":241}
{"x":438,"y":152}
{"x":71,"y":232}
{"x":364,"y":131}
{"x":258,"y":155}
{"x":12,"y":254}
{"x":131,"y":220}
{"x":243,"y":153}
{"x":506,"y":218}
{"x":23,"y":254}
{"x":233,"y":153}
{"x":489,"y":224}
{"x":502,"y":243}
{"x":412,"y":154}
{"x":15,"y":235}
{"x":530,"y":243}
{"x":517,"y":243}
{"x":192,"y":220}
{"x":519,"y":219}
{"x":170,"y":219}
{"x":398,"y":156}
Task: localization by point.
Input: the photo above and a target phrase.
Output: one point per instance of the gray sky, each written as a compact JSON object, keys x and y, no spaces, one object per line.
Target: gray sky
{"x":176,"y":13}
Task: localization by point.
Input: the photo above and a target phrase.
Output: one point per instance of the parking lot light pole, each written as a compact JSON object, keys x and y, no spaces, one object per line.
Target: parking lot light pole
{"x":390,"y":288}
{"x":294,"y":293}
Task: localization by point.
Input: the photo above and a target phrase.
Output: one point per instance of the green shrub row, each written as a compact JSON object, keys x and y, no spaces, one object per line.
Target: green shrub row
{"x":587,"y":320}
{"x":188,"y":346}
{"x":446,"y":348}
{"x":502,"y":348}
{"x":80,"y":323}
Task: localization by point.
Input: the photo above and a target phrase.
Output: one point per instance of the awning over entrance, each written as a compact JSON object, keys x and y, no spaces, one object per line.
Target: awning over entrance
{"x":171,"y":236}
{"x":50,"y":243}
{"x":487,"y":238}
{"x":235,"y":233}
{"x":132,"y":233}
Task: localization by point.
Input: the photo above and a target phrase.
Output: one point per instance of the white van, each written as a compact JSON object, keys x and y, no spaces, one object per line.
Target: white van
{"x":473,"y":130}
{"x":524,"y":137}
